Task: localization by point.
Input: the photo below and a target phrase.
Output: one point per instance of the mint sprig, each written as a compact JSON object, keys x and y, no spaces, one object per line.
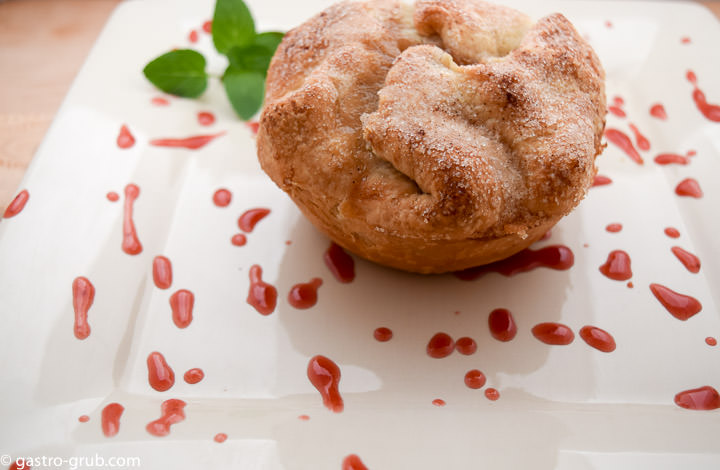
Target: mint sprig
{"x":182,"y":72}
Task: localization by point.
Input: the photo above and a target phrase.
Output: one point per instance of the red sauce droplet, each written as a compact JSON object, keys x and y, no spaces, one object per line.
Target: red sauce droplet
{"x":207,"y":26}
{"x":83,"y":418}
{"x":125,"y":139}
{"x":553,"y":333}
{"x":131,"y":243}
{"x":192,"y":143}
{"x":353,"y":462}
{"x":475,"y":379}
{"x":614,"y":227}
{"x":251,"y":217}
{"x":642,"y":142}
{"x":261,"y":295}
{"x":254,"y":126}
{"x":600,"y":180}
{"x":205,"y":118}
{"x":17,"y":204}
{"x":689,"y":260}
{"x":630,"y":285}
{"x":83,"y":293}
{"x":220,"y":437}
{"x":492,"y":394}
{"x":617,"y":111}
{"x":19,"y":464}
{"x":193,"y":36}
{"x":440,"y":345}
{"x":341,"y":264}
{"x":160,"y":101}
{"x":304,"y":418}
{"x":502,"y":325}
{"x":304,"y":295}
{"x":239,"y":239}
{"x":703,"y":398}
{"x":618,"y":100}
{"x":111,"y":419}
{"x":466,"y":346}
{"x":617,"y":266}
{"x":383,"y":334}
{"x":162,"y":272}
{"x":181,"y":303}
{"x":710,"y":341}
{"x":672,"y":232}
{"x":689,"y":187}
{"x":324,"y":374}
{"x":112,"y":196}
{"x":439,"y":402}
{"x":172,"y":411}
{"x":558,"y":257}
{"x":621,"y":139}
{"x":598,"y":338}
{"x":685,"y":40}
{"x":222,"y":197}
{"x":193,"y":376}
{"x":160,"y":376}
{"x":690,"y":153}
{"x":670,"y":158}
{"x":658,"y":110}
{"x":709,"y":110}
{"x":680,"y":306}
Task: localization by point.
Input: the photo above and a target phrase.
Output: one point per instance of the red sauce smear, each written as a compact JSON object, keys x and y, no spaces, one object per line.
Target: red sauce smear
{"x":353,"y":462}
{"x":621,"y":139}
{"x":83,"y":293}
{"x":220,"y":437}
{"x":19,"y":464}
{"x":125,"y":139}
{"x":617,"y":266}
{"x":614,"y":227}
{"x":261,"y":295}
{"x":703,"y":398}
{"x":172,"y":411}
{"x":162,"y":272}
{"x":112,"y":196}
{"x":617,"y":111}
{"x":598,"y":338}
{"x":193,"y":36}
{"x":558,"y":257}
{"x":205,"y":118}
{"x":689,"y":187}
{"x":131,"y":243}
{"x":600,"y":180}
{"x":111,"y":419}
{"x":440,"y":345}
{"x":324,"y":374}
{"x":672,"y":232}
{"x":192,"y":143}
{"x":160,"y":101}
{"x":253,"y":126}
{"x":304,"y":418}
{"x":250,"y":218}
{"x":17,"y":204}
{"x":304,"y":295}
{"x":383,"y":334}
{"x":83,"y":418}
{"x":160,"y":375}
{"x":475,"y":379}
{"x":670,"y":158}
{"x":207,"y":26}
{"x":642,"y":142}
{"x":181,"y":303}
{"x":239,"y":239}
{"x":466,"y":346}
{"x":553,"y":333}
{"x":193,"y":376}
{"x":502,"y":325}
{"x":710,"y":341}
{"x":341,"y":264}
{"x":439,"y":402}
{"x":680,"y":306}
{"x":222,"y":197}
{"x":689,"y":260}
{"x":709,"y":110}
{"x":658,"y":110}
{"x":492,"y":394}
{"x":685,"y":40}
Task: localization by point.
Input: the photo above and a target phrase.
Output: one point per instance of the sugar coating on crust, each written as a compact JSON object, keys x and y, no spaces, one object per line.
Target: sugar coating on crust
{"x":433,"y":137}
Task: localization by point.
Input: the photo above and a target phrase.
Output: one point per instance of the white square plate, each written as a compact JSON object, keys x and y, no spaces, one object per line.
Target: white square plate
{"x":568,"y":407}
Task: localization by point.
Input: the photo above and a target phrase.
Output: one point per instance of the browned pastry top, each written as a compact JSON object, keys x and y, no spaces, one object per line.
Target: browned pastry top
{"x":433,"y":137}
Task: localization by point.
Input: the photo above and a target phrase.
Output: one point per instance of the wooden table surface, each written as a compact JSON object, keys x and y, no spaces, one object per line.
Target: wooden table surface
{"x":43,"y":43}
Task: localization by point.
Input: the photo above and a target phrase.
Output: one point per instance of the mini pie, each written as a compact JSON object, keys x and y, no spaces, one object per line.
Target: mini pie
{"x":433,"y":137}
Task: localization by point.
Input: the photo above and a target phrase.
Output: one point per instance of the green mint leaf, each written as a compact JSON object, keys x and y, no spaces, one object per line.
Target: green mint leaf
{"x":270,"y":39}
{"x":245,"y":90}
{"x":180,"y":73}
{"x":251,"y":58}
{"x":232,"y":25}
